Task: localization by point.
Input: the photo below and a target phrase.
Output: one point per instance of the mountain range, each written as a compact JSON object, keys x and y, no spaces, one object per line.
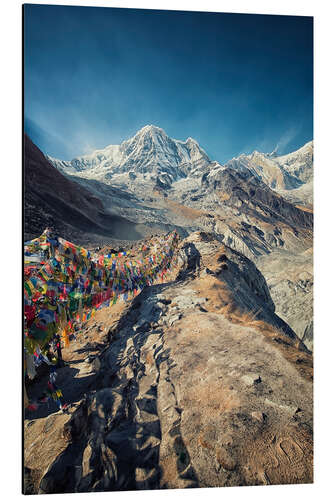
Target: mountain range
{"x":254,"y":202}
{"x":161,"y":160}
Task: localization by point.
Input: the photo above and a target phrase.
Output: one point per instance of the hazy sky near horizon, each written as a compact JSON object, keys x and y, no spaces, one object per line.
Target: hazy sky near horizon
{"x":234,"y":82}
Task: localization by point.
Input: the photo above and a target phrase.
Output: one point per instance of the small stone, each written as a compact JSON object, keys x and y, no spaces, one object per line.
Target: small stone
{"x":175,"y":318}
{"x":141,"y":326}
{"x":251,"y":379}
{"x":202,"y":309}
{"x":258,"y":415}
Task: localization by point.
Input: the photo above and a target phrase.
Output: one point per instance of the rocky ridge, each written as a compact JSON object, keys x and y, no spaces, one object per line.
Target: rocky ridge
{"x":198,"y":384}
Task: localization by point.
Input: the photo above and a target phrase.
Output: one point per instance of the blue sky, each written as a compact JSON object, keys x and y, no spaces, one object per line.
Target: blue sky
{"x":235,"y":83}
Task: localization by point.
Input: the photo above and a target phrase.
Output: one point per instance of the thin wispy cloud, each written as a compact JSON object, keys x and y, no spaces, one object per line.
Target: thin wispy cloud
{"x":287,"y":138}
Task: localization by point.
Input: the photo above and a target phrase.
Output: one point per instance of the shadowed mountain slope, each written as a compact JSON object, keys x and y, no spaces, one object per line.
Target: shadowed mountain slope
{"x":52,"y":199}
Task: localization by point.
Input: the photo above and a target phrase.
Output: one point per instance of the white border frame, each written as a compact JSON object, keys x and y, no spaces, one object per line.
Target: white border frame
{"x":10,"y":123}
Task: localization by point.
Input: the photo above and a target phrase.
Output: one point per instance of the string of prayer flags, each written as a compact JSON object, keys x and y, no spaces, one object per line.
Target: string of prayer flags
{"x":67,"y":284}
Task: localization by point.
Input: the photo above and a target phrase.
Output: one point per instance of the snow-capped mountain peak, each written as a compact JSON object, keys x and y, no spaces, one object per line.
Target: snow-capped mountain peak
{"x":150,"y":152}
{"x":191,"y":141}
{"x":285,"y":172}
{"x":150,"y":129}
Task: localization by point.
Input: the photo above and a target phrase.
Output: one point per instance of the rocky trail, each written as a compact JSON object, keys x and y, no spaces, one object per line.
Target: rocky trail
{"x":194,"y":383}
